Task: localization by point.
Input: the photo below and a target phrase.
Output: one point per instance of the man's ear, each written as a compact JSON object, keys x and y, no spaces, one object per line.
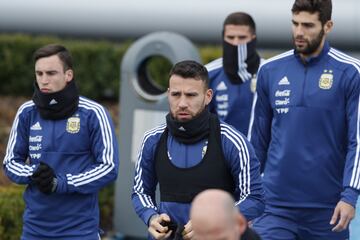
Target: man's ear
{"x":69,"y":75}
{"x":208,"y":96}
{"x":328,"y":26}
{"x":241,"y":223}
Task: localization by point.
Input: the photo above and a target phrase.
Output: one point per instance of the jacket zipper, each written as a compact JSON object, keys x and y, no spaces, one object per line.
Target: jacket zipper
{"x":303,"y":87}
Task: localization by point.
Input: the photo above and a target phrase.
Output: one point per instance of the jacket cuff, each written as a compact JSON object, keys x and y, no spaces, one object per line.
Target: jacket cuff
{"x":350,"y":196}
{"x":61,"y":186}
{"x":147,"y":215}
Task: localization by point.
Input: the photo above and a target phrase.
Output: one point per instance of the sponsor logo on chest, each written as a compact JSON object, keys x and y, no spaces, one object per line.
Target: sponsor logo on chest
{"x":282,"y":97}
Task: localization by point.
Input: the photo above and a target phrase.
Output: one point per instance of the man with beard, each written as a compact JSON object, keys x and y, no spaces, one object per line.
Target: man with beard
{"x":306,"y":132}
{"x":192,"y":152}
{"x":63,"y":147}
{"x":233,"y":77}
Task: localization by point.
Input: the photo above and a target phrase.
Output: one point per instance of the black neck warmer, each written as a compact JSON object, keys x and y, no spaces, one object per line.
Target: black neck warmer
{"x":240,"y":62}
{"x":58,"y":105}
{"x":191,"y":131}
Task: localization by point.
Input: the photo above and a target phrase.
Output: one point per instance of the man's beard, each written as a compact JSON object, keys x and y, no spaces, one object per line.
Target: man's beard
{"x":312,"y":45}
{"x":174,"y":115}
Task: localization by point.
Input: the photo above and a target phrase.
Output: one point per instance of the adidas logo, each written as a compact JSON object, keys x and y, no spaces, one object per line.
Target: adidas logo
{"x":284,"y":81}
{"x":221,"y":86}
{"x":52,"y":102}
{"x":182,"y":129}
{"x":36,"y":126}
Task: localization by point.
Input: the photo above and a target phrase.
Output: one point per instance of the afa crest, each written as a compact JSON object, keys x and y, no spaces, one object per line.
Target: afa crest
{"x":204,"y":149}
{"x":253,"y":83}
{"x":73,"y":125}
{"x":326,"y":80}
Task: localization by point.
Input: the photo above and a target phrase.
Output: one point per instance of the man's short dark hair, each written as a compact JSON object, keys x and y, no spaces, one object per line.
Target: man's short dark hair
{"x":55,"y":49}
{"x":240,"y":18}
{"x":323,"y":7}
{"x":191,"y":69}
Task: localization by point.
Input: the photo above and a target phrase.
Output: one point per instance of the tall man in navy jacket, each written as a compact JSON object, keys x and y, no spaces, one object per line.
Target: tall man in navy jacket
{"x":233,"y":77}
{"x":306,"y":132}
{"x":192,"y":152}
{"x":63,"y":147}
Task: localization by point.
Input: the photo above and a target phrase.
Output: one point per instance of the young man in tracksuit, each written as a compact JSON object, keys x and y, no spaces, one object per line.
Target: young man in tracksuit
{"x":192,"y":152}
{"x":63,"y":147}
{"x":233,"y":77}
{"x":306,"y":133}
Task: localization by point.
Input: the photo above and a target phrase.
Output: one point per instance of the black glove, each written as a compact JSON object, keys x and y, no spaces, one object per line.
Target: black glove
{"x":171,"y":225}
{"x":44,"y":178}
{"x":177,"y":230}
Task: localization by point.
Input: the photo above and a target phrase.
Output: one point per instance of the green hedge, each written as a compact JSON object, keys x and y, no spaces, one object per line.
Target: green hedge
{"x":12,"y":207}
{"x":96,"y":64}
{"x":11,"y":210}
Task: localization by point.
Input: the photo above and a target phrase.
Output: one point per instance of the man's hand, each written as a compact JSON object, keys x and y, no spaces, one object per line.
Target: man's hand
{"x":156,"y":229}
{"x":343,"y":214}
{"x":188,"y":232}
{"x":44,"y":178}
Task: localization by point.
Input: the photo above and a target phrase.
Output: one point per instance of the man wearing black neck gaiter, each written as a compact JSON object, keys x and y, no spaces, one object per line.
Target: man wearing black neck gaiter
{"x":233,"y":77}
{"x":64,"y":148}
{"x":192,"y":152}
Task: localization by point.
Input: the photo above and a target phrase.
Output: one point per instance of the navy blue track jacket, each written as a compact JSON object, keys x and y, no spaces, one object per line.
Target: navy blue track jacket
{"x":82,"y":150}
{"x":239,"y":155}
{"x":306,"y":129}
{"x":231,"y":102}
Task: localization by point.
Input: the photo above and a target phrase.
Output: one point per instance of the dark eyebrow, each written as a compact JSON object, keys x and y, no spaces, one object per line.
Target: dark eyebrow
{"x":191,"y":94}
{"x":306,"y":24}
